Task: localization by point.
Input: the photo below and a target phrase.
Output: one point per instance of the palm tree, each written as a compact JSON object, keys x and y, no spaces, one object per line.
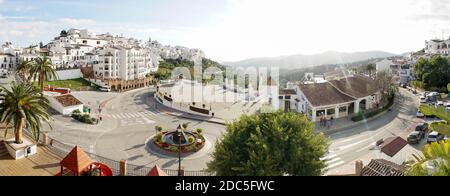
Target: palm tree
{"x":23,"y":106}
{"x":436,"y":155}
{"x":43,"y":71}
{"x":24,"y":71}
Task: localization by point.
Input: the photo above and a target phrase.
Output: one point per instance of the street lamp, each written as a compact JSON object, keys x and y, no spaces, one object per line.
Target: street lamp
{"x":179,"y":129}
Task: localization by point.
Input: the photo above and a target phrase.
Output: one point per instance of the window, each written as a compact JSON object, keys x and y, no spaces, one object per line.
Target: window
{"x":287,"y":97}
{"x":331,"y":111}
{"x":85,"y":42}
{"x":98,"y":42}
{"x":343,"y":109}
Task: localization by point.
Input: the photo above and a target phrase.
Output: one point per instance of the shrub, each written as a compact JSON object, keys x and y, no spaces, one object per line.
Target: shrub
{"x":191,"y":139}
{"x":361,"y":116}
{"x":199,"y":131}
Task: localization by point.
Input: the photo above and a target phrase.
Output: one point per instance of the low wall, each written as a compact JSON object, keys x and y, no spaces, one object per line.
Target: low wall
{"x":162,"y":99}
{"x":69,"y":74}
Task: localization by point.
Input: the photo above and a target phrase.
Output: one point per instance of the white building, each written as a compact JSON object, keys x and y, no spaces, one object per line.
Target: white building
{"x":9,"y":56}
{"x":334,"y":98}
{"x":437,"y":46}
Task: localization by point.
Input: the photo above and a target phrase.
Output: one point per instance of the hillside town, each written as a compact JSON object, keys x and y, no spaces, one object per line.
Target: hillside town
{"x":104,"y":56}
{"x":102,"y":91}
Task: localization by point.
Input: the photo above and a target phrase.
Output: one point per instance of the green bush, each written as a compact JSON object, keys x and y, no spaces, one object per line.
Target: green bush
{"x":441,"y":127}
{"x":361,"y":116}
{"x":191,"y":140}
{"x":432,"y":111}
{"x":84,"y":118}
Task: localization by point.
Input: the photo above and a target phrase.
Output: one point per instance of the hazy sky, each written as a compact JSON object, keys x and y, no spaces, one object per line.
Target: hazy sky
{"x":238,"y":29}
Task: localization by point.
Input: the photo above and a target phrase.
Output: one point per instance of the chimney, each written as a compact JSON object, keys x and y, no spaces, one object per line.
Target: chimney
{"x":359,"y":165}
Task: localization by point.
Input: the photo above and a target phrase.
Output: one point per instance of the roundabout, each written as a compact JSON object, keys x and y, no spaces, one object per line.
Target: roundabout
{"x":185,"y":142}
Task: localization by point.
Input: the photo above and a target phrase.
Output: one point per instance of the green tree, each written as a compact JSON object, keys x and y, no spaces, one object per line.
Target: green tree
{"x":433,"y":74}
{"x":387,"y":84}
{"x":272,"y":144}
{"x":24,"y":71}
{"x":42,"y":70}
{"x":23,"y":106}
{"x":371,"y":68}
{"x":436,"y":156}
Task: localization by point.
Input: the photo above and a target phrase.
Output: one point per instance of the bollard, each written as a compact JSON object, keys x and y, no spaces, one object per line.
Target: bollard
{"x":123,"y":167}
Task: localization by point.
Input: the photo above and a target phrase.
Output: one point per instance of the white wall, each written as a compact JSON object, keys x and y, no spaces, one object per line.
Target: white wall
{"x":61,"y":109}
{"x":69,"y":74}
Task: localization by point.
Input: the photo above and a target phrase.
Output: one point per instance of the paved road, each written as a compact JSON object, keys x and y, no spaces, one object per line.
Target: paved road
{"x":128,"y":121}
{"x":130,"y":118}
{"x":359,"y":141}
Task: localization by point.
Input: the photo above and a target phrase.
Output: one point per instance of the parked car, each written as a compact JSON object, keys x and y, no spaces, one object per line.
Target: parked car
{"x":105,"y":89}
{"x":447,"y":138}
{"x":420,"y":115}
{"x":448,"y":107}
{"x":423,"y":127}
{"x":435,"y":137}
{"x":440,"y":103}
{"x":423,"y":99}
{"x":415,"y":137}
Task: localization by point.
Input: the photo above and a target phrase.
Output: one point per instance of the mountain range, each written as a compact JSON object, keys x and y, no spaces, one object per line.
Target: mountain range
{"x":304,"y":61}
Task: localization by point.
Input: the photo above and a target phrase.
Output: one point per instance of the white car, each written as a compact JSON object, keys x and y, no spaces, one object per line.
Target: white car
{"x":440,"y":103}
{"x":423,"y":99}
{"x":105,"y":89}
{"x":420,"y":115}
{"x":446,"y":138}
{"x":435,"y":137}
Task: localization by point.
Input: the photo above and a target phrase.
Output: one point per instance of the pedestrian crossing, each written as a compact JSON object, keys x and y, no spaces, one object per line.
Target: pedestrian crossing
{"x":333,"y":161}
{"x":133,"y":119}
{"x":124,"y":115}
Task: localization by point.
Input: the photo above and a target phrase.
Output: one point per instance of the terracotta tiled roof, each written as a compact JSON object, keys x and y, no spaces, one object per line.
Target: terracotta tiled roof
{"x":323,"y":94}
{"x":68,"y":100}
{"x":287,"y":92}
{"x":381,"y":167}
{"x":156,"y":171}
{"x":393,"y":145}
{"x":357,"y":86}
{"x":77,"y":160}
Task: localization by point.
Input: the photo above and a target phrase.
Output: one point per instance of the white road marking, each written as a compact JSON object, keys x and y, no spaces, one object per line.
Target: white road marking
{"x":122,"y":115}
{"x":336,"y":165}
{"x":332,"y":156}
{"x":334,"y":160}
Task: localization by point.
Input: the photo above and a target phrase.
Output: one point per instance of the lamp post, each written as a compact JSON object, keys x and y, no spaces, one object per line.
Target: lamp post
{"x":179,"y":129}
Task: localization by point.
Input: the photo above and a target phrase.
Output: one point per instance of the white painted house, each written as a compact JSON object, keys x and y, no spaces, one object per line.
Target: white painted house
{"x":334,"y":98}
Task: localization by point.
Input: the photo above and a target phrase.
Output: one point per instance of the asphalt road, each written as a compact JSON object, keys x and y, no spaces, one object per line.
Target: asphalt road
{"x":129,"y":120}
{"x":359,"y":141}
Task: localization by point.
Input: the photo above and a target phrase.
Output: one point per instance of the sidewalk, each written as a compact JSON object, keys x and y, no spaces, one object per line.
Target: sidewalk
{"x":346,"y":123}
{"x":44,"y":163}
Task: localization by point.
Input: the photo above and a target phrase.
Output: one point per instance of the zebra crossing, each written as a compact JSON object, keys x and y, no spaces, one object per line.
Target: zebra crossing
{"x":124,"y":115}
{"x":132,"y":119}
{"x":333,"y":161}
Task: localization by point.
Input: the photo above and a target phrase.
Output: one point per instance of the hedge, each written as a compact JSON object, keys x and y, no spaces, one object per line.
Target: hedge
{"x":361,"y":116}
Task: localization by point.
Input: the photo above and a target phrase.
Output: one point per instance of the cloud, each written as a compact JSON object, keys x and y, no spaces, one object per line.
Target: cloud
{"x":76,"y":22}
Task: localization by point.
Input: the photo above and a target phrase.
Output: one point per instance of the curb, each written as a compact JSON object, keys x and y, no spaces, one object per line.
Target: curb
{"x":193,"y":118}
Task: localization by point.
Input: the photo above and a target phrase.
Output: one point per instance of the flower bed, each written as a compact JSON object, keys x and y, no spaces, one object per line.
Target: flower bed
{"x":196,"y":143}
